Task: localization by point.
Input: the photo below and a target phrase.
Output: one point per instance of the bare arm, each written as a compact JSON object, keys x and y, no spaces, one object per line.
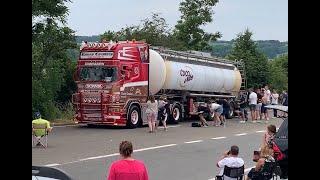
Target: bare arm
{"x":259,"y":164}
{"x":220,"y":162}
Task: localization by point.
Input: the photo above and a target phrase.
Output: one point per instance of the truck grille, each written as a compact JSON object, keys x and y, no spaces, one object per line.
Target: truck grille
{"x":91,"y":109}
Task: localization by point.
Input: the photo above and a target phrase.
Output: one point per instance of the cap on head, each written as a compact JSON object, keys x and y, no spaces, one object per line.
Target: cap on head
{"x":37,"y":115}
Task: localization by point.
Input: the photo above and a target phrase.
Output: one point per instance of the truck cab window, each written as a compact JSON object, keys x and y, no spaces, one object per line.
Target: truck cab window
{"x":96,"y":73}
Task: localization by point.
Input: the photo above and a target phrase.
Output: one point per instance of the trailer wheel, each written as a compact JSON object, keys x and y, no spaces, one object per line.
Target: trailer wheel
{"x":176,"y":114}
{"x":230,"y":114}
{"x":133,"y":117}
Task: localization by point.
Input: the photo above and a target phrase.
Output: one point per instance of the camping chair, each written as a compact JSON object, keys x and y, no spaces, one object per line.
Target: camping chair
{"x":232,"y":172}
{"x":268,"y":172}
{"x":40,"y":134}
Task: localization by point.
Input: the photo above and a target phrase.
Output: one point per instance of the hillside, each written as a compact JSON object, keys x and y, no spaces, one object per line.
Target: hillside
{"x":271,"y":48}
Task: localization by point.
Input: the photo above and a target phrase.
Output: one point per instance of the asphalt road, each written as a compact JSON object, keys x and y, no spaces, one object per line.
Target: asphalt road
{"x":181,"y":153}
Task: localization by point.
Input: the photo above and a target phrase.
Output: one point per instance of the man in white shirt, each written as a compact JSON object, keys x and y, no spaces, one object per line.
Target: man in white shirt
{"x":253,"y":103}
{"x":267,"y":94}
{"x":274,"y":101}
{"x":230,"y":159}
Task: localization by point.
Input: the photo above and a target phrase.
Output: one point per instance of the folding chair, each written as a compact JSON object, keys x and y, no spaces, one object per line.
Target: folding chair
{"x":40,"y":134}
{"x":232,"y":172}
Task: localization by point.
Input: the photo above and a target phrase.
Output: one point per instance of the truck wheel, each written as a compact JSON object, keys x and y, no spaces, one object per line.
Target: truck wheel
{"x":133,"y":117}
{"x":229,"y":115}
{"x":176,"y":114}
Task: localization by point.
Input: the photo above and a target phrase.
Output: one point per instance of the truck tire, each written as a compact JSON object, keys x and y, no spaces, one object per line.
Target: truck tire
{"x":176,"y":114}
{"x":133,"y":117}
{"x":230,"y":114}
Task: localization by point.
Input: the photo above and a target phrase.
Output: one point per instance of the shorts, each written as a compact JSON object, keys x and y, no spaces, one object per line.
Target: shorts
{"x":263,"y":109}
{"x":161,"y":115}
{"x":258,"y":106}
{"x":225,"y":111}
{"x":205,"y":115}
{"x":242,"y":110}
{"x":253,"y":107}
{"x":219,"y":110}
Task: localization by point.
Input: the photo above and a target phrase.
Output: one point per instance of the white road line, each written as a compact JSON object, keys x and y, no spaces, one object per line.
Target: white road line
{"x":99,"y":157}
{"x":50,"y":165}
{"x":219,"y":137}
{"x":155,"y":147}
{"x":169,"y":126}
{"x":241,"y":134}
{"x":111,"y":155}
{"x":260,"y":131}
{"x":189,"y":142}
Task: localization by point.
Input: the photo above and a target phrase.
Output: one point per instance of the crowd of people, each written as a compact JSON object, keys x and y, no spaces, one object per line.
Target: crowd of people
{"x":259,"y":99}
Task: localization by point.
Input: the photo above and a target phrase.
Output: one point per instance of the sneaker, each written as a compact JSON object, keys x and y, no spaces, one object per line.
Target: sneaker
{"x":267,"y":119}
{"x":242,"y":121}
{"x":254,"y":121}
{"x":259,"y":121}
{"x":273,"y":117}
{"x":205,"y":126}
{"x":266,"y":122}
{"x":165,"y":129}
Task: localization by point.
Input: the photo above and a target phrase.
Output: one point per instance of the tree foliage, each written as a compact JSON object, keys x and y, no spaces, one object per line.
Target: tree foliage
{"x":279,"y":72}
{"x":52,"y":68}
{"x":256,"y":63}
{"x":270,"y":48}
{"x":195,"y":13}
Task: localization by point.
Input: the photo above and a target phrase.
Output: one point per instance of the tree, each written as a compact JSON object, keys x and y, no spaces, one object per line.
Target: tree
{"x":279,"y":72}
{"x":195,"y":13}
{"x":154,"y":31}
{"x":51,"y":65}
{"x":256,"y":63}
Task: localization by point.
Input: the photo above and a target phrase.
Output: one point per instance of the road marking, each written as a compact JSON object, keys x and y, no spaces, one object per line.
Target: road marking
{"x":260,"y":131}
{"x":50,"y":165}
{"x":169,"y":126}
{"x":189,"y":142}
{"x":241,"y":134}
{"x":111,"y":155}
{"x":155,"y":147}
{"x":219,"y":137}
{"x":99,"y":157}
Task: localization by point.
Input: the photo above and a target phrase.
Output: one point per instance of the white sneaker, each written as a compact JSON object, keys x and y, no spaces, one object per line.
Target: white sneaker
{"x":266,"y":122}
{"x":254,"y":121}
{"x":259,"y":121}
{"x":273,"y":117}
{"x":267,"y":119}
{"x":242,"y":122}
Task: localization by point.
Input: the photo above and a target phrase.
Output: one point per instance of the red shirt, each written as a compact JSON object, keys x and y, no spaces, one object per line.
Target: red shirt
{"x":128,"y":170}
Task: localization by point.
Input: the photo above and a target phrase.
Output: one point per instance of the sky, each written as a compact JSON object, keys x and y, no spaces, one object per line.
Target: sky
{"x":267,"y":19}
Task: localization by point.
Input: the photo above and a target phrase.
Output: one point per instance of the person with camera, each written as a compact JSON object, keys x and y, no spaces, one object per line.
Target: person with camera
{"x":230,"y":159}
{"x":265,"y":155}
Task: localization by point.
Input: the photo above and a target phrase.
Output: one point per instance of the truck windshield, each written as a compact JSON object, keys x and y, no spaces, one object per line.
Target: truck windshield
{"x":98,"y":73}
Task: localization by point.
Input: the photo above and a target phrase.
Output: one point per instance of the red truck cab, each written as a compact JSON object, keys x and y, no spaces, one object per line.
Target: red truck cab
{"x":112,"y":79}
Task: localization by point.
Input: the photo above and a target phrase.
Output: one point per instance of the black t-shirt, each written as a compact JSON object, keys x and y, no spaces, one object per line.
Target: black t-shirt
{"x":204,"y":109}
{"x":285,"y":103}
{"x":243,"y":102}
{"x":224,"y":103}
{"x":259,"y":96}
